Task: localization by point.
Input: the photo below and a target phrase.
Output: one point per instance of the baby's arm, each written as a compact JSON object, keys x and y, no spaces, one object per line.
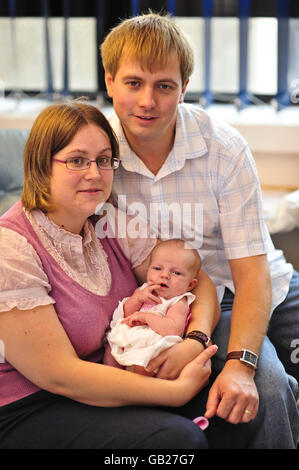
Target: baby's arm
{"x":172,"y":324}
{"x":139,"y":297}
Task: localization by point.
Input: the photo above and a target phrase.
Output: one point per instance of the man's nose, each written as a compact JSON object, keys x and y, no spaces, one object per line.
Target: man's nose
{"x":147,"y":98}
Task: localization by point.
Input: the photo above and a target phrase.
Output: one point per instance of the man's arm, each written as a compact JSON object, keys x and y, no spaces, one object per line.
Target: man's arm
{"x":234,"y":390}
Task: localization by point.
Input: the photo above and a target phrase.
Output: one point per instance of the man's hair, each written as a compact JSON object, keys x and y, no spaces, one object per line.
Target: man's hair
{"x":53,"y":130}
{"x":150,"y":39}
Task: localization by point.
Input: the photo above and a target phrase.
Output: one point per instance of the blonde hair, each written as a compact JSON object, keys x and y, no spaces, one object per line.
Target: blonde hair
{"x":53,"y":130}
{"x":149,"y":38}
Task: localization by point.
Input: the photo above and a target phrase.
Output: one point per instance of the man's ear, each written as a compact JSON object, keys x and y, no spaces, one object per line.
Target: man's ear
{"x":109,"y":84}
{"x":184,"y":91}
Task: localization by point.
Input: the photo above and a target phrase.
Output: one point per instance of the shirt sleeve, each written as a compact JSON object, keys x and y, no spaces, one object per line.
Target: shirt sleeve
{"x":241,"y":214}
{"x":23,"y":283}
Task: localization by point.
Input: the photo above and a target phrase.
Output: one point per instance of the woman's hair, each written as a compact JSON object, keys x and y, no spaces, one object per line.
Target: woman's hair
{"x":54,"y":129}
{"x":149,"y":38}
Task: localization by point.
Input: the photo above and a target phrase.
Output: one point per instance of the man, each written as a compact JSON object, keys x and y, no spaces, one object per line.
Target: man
{"x":173,"y":152}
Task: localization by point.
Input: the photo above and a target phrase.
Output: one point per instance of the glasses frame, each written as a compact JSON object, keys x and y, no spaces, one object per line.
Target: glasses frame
{"x":90,"y":162}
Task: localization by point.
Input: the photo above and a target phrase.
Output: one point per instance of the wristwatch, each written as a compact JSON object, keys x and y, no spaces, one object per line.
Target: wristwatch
{"x":249,"y":358}
{"x":201,"y":337}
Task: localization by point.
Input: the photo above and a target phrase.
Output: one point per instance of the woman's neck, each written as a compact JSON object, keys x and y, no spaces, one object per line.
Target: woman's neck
{"x":69,"y":224}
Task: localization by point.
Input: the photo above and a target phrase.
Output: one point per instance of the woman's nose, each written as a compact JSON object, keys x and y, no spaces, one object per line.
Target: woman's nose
{"x":93,"y":171}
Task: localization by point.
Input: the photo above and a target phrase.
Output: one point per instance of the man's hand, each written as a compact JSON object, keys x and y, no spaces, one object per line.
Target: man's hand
{"x":233,"y":395}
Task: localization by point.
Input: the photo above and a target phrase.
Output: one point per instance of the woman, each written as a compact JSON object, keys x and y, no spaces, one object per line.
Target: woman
{"x":59,"y":286}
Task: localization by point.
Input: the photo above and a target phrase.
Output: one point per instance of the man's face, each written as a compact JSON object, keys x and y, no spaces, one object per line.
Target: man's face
{"x":146,"y":101}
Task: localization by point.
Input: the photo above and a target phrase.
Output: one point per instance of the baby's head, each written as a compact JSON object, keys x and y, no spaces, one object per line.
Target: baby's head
{"x":174,"y":266}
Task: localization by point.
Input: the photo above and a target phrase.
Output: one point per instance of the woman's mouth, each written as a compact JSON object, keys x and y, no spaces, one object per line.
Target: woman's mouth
{"x":90,"y":191}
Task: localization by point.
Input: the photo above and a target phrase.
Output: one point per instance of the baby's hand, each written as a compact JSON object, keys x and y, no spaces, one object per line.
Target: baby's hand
{"x":135,"y":319}
{"x":148,"y":294}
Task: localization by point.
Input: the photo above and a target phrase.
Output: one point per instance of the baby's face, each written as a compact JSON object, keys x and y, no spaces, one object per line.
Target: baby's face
{"x":170,"y":267}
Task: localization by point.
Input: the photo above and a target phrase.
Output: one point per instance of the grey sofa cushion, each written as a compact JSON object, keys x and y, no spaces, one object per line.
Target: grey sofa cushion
{"x":12,"y":144}
{"x":8,"y":199}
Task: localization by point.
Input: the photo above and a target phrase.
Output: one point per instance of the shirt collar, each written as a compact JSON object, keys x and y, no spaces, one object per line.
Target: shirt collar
{"x":189,"y":143}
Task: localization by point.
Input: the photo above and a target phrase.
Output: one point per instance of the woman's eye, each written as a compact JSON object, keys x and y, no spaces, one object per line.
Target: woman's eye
{"x":76,"y":161}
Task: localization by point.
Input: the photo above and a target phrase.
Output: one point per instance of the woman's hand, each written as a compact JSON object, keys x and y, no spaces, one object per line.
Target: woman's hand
{"x":171,"y":361}
{"x":195,"y":375}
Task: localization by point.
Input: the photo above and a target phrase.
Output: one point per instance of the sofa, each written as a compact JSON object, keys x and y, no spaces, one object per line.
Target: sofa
{"x":12,"y":144}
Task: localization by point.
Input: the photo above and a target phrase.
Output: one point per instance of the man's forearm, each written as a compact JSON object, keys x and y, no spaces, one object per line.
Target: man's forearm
{"x":251,"y":307}
{"x":205,"y":310}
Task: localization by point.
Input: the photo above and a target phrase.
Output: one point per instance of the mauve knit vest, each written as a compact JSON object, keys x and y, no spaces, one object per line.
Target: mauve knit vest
{"x":84,"y":316}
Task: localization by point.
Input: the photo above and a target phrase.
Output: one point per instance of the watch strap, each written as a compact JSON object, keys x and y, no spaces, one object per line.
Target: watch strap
{"x":204,"y":339}
{"x":247,"y":357}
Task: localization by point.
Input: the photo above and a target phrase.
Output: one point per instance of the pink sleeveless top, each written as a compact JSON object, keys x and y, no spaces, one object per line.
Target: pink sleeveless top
{"x":84,"y":316}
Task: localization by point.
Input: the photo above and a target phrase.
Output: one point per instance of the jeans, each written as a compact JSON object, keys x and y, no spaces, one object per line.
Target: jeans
{"x":277,"y":423}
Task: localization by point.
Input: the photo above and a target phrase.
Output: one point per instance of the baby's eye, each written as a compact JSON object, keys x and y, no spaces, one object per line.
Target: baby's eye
{"x":177,"y":273}
{"x":157,"y":268}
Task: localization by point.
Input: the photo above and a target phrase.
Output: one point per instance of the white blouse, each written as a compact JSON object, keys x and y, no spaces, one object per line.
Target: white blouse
{"x":24,"y":284}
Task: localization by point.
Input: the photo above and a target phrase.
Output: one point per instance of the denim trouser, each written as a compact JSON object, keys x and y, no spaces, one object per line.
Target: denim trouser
{"x":277,"y":423}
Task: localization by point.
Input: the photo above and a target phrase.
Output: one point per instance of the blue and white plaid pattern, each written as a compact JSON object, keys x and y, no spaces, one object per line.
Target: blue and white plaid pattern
{"x":212,"y":167}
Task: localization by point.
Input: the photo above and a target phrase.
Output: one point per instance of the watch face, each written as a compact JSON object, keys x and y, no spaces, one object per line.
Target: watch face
{"x":250,"y":357}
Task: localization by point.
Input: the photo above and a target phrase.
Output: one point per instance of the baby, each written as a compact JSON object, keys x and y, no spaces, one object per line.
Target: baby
{"x":155,"y":317}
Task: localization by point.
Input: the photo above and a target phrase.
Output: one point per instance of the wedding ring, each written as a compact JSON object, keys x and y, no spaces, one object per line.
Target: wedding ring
{"x":248,"y":412}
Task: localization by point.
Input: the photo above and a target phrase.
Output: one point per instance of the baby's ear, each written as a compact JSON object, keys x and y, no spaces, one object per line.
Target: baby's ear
{"x":193,"y":284}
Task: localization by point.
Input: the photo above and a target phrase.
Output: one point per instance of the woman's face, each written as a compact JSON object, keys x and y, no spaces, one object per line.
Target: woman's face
{"x":77,"y":193}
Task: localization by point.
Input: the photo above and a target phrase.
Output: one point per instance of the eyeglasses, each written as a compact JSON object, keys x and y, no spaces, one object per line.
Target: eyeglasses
{"x":81,"y":163}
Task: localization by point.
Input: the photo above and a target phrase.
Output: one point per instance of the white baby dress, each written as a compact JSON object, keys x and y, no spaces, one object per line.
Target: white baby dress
{"x":139,"y":344}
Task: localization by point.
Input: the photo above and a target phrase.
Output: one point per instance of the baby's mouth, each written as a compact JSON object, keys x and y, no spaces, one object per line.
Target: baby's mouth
{"x":163,"y":285}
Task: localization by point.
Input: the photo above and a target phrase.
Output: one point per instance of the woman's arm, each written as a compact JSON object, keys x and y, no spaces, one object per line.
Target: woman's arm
{"x":38,"y":347}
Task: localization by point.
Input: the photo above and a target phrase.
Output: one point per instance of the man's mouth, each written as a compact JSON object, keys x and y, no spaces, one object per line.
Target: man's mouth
{"x":146,"y":118}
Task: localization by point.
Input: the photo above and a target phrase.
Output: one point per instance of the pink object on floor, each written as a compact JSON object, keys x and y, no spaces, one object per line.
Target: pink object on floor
{"x":201,"y":422}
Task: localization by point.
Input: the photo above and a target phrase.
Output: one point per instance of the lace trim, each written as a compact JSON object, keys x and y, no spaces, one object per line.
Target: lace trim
{"x":83,"y":259}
